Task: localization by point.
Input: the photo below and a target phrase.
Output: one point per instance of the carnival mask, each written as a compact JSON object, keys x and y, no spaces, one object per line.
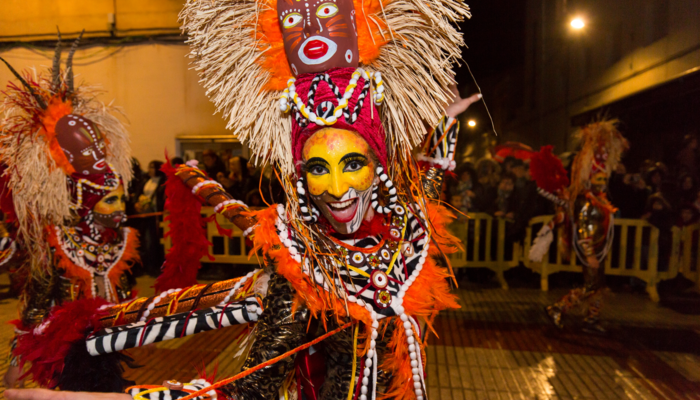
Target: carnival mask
{"x":83,"y":144}
{"x":599,"y":182}
{"x":340,"y":174}
{"x":318,"y":35}
{"x":110,"y":212}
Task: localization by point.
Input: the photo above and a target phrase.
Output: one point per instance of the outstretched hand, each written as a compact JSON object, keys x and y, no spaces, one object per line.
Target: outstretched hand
{"x":45,"y":394}
{"x":459,"y":105}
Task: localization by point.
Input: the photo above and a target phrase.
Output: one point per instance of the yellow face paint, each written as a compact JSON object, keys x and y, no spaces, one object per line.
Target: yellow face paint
{"x":110,"y":211}
{"x":340,"y":174}
{"x":599,"y":179}
{"x":337,"y":160}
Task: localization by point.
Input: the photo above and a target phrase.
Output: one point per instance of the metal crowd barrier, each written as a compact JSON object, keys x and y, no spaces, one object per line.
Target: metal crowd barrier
{"x":484,"y":242}
{"x":634,"y":253}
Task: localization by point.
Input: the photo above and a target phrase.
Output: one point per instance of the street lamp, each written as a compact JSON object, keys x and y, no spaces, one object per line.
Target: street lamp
{"x":578,"y":23}
{"x":471,"y":123}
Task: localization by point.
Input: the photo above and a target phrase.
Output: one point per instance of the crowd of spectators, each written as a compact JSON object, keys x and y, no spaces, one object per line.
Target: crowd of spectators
{"x":662,"y":195}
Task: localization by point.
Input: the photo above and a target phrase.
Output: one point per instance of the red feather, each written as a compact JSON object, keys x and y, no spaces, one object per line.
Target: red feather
{"x":548,"y":171}
{"x":187,"y":232}
{"x":45,"y":347}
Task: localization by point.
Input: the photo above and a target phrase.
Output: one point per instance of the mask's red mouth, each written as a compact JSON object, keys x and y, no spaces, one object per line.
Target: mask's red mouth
{"x":343,"y":211}
{"x":315,"y":49}
{"x":100,"y":165}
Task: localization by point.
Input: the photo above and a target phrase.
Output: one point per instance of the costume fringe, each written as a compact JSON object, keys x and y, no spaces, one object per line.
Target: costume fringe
{"x":81,"y":277}
{"x":238,"y":51}
{"x":187,"y":232}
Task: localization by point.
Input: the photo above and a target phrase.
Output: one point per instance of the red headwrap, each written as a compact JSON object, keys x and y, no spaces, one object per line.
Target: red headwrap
{"x":91,"y":195}
{"x":368,"y":123}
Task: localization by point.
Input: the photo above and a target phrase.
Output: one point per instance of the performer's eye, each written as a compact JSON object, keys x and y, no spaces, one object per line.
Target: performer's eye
{"x":353,"y":164}
{"x":291,"y":20}
{"x":327,"y":10}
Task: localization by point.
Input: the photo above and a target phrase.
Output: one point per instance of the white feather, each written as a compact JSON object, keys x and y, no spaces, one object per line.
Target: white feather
{"x":540,"y":246}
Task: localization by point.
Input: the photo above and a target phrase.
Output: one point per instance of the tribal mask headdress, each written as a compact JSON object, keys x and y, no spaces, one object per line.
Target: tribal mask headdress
{"x":602,"y":146}
{"x":241,"y":50}
{"x":57,"y":144}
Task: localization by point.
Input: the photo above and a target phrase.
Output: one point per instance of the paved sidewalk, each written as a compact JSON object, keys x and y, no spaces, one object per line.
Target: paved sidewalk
{"x":499,"y":345}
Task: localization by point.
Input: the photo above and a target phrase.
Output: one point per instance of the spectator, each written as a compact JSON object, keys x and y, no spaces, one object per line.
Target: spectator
{"x":505,"y":201}
{"x":688,"y":215}
{"x":655,"y":179}
{"x":177,"y":161}
{"x":687,"y":158}
{"x":213,"y":164}
{"x":687,"y":190}
{"x":462,"y":192}
{"x":151,"y":200}
{"x":135,"y":186}
{"x":237,"y":182}
{"x":488,"y":176}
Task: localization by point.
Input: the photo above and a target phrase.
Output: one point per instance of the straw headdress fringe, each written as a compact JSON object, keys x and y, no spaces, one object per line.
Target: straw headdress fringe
{"x":593,"y":138}
{"x":36,"y":166}
{"x":238,"y":51}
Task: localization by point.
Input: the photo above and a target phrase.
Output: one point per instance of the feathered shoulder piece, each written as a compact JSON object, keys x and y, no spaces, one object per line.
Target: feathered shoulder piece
{"x":36,"y":167}
{"x":548,"y":171}
{"x":238,"y":49}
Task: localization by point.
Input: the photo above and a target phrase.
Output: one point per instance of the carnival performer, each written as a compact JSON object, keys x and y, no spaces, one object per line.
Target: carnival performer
{"x":585,"y":212}
{"x":65,"y":165}
{"x":354,"y":256}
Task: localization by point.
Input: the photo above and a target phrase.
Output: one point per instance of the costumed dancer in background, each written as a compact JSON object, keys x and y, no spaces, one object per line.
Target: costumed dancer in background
{"x":354,"y":254}
{"x":584,"y":210}
{"x":65,"y":165}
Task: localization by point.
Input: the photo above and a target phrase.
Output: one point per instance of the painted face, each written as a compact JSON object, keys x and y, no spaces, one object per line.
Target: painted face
{"x":340,"y":174}
{"x":318,"y":34}
{"x":599,"y":182}
{"x":83,"y":144}
{"x":110,"y":212}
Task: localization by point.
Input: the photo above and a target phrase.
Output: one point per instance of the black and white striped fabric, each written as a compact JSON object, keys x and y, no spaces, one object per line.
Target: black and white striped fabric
{"x":163,"y":393}
{"x":174,"y":326}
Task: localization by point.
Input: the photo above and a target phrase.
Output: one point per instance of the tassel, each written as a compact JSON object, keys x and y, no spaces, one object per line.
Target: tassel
{"x":540,"y":246}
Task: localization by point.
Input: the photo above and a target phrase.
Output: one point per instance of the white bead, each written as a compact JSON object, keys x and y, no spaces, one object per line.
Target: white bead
{"x":370,"y":353}
{"x":411,"y":347}
{"x":301,"y":191}
{"x":383,"y":177}
{"x":416,"y":385}
{"x":365,"y":380}
{"x":292,"y":251}
{"x":379,"y":170}
{"x":380,"y":89}
{"x":375,"y":324}
{"x":372,"y":344}
{"x":360,"y":302}
{"x":409,"y":332}
{"x":416,"y":378}
{"x":411,"y":340}
{"x":419,"y":393}
{"x":363,"y":397}
{"x":352,"y":299}
{"x":419,"y":397}
{"x":367,"y":371}
{"x":414,"y":364}
{"x":401,"y":294}
{"x":332,"y":119}
{"x":399,"y":309}
{"x":374,"y":335}
{"x":151,"y":307}
{"x":404,"y":317}
{"x":413,"y":355}
{"x":407,"y":325}
{"x":415,"y":371}
{"x":368,"y":363}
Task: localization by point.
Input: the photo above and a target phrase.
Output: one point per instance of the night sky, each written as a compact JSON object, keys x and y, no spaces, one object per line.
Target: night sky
{"x":495,"y":36}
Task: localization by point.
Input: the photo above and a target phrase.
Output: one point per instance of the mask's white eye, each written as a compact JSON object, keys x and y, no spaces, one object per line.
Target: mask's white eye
{"x":291,"y":20}
{"x":87,"y":153}
{"x":327,"y":10}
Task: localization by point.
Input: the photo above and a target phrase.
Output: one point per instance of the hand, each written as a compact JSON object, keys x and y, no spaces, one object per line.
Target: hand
{"x":11,"y":378}
{"x":45,"y":394}
{"x":593,"y":262}
{"x":510,"y":215}
{"x":498,"y":214}
{"x":459,"y":105}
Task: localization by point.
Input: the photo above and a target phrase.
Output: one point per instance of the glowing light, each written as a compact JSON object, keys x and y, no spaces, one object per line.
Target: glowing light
{"x":471,"y":123}
{"x":577,"y":23}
